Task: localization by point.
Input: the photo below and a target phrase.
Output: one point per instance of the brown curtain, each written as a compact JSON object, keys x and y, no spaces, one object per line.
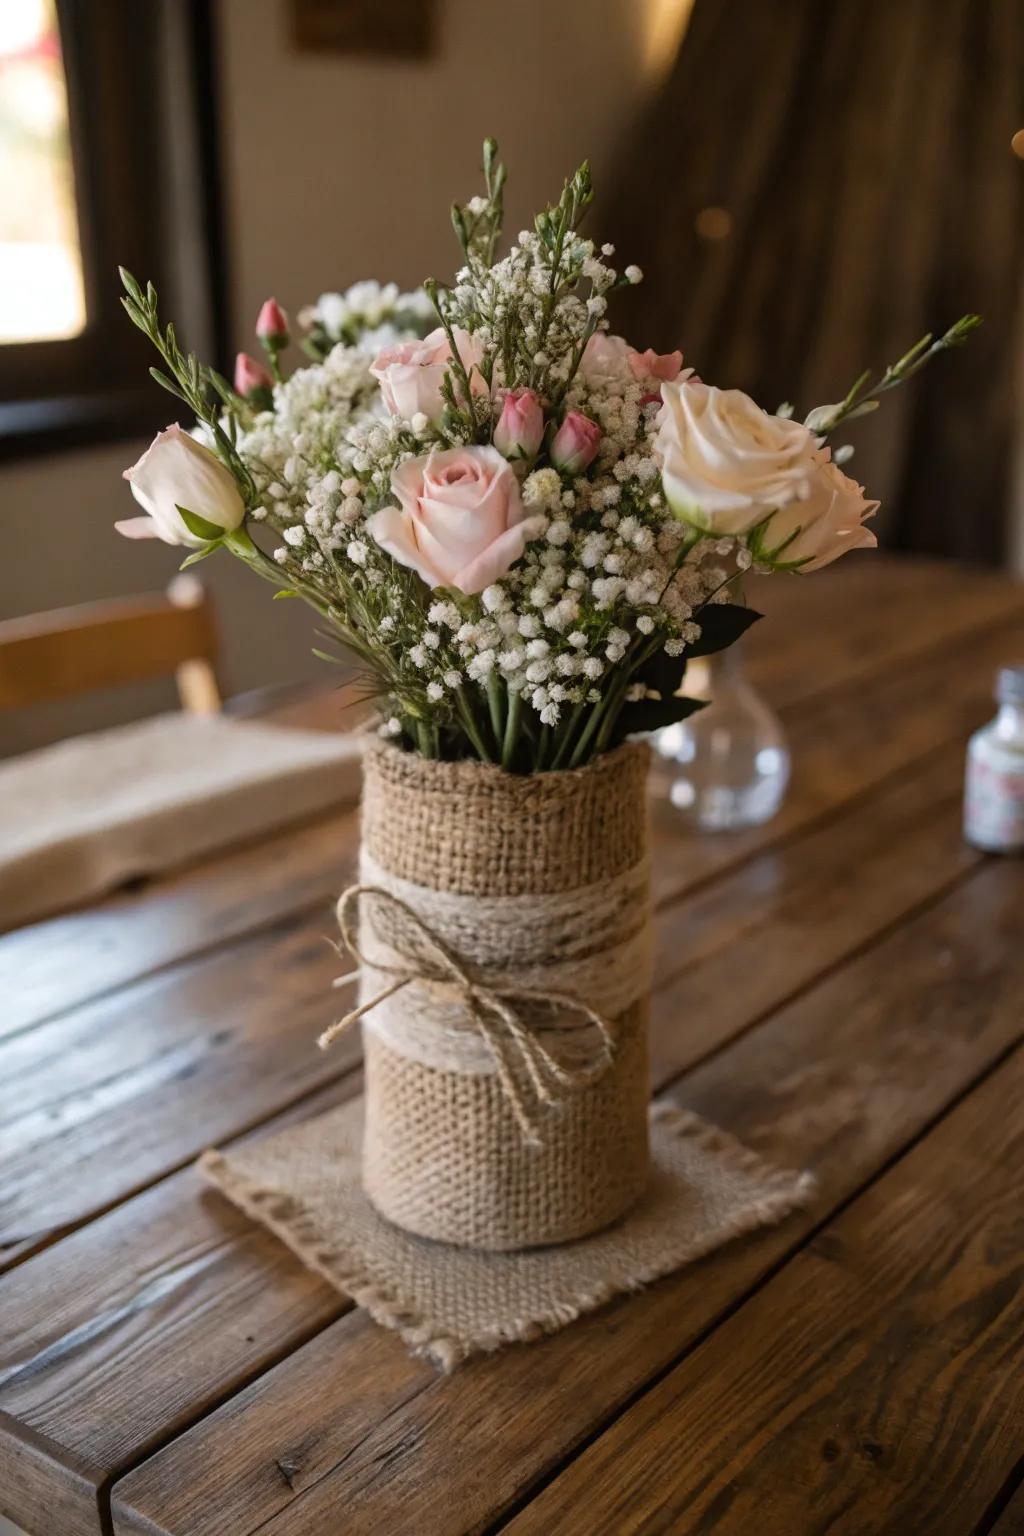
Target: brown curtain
{"x":855,"y":158}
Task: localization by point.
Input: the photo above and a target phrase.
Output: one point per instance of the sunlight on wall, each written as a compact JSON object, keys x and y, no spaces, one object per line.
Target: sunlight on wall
{"x":41,"y":291}
{"x":664,"y":25}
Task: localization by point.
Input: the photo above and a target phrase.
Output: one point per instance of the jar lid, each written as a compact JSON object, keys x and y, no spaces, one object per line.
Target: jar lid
{"x":1010,"y":684}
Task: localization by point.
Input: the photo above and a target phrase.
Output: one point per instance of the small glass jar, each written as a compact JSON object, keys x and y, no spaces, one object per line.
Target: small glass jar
{"x":994,"y":797}
{"x":727,"y":766}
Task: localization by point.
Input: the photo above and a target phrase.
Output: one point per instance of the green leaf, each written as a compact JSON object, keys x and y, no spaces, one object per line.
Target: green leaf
{"x":130,"y":284}
{"x":653,"y":714}
{"x":721,"y":624}
{"x":663,"y":673}
{"x":201,"y":527}
{"x":166,"y":383}
{"x":240,"y":544}
{"x":284,"y":592}
{"x":200,"y":554}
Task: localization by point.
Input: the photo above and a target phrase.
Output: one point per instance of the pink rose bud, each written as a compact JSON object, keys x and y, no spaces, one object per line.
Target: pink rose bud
{"x":272,"y":324}
{"x":655,"y":365}
{"x":575,"y":443}
{"x":250,"y":376}
{"x":520,"y":427}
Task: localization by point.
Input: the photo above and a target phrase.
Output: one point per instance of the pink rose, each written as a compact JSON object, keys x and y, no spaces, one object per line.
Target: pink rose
{"x":411,"y":373}
{"x":520,"y":427}
{"x":250,"y":376}
{"x":272,"y":323}
{"x":655,"y":365}
{"x":575,"y":443}
{"x":827,"y":524}
{"x":461,"y":521}
{"x":605,"y":357}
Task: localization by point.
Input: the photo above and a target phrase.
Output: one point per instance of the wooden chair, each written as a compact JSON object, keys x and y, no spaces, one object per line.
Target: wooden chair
{"x":102,"y":645}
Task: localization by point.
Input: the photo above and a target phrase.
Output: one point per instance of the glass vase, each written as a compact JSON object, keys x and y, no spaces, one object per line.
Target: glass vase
{"x":727,"y":766}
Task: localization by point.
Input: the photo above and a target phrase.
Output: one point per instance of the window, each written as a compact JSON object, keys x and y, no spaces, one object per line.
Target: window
{"x":107,"y":139}
{"x":42,"y":293}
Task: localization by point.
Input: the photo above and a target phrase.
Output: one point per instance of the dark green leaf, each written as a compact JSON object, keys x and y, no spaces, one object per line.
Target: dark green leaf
{"x":721,"y":624}
{"x":653,"y":714}
{"x":663,"y":673}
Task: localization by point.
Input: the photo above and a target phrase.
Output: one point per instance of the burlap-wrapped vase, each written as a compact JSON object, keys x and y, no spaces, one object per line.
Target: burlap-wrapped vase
{"x":504,"y":939}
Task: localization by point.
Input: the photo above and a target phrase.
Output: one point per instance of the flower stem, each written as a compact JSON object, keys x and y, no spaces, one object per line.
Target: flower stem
{"x":568,"y":733}
{"x":469,"y":725}
{"x":513,"y":721}
{"x":495,"y":704}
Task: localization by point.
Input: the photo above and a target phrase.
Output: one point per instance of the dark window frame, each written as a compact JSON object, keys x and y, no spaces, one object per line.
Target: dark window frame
{"x":122,"y":94}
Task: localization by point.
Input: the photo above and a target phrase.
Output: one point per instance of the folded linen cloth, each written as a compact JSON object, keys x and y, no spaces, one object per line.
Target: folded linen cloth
{"x":79,"y":818}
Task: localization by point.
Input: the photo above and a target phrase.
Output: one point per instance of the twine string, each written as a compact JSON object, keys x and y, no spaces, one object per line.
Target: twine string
{"x":514,"y":1046}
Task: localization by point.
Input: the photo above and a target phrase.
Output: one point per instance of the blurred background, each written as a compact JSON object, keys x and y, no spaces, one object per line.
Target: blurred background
{"x":808,"y":188}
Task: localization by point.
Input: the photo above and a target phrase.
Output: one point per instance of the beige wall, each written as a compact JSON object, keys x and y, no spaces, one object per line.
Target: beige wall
{"x":338,"y":168}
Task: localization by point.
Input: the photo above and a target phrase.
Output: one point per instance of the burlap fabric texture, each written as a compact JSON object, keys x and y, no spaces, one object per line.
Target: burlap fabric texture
{"x":449,"y":1302}
{"x":504,"y":940}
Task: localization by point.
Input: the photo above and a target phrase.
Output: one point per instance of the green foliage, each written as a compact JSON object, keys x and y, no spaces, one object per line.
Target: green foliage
{"x":200,"y":527}
{"x":652,"y":714}
{"x":721,"y":625}
{"x":860,"y":400}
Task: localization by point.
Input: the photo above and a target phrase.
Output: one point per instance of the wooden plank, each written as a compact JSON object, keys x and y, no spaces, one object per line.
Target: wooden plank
{"x":844,"y":746}
{"x":144,"y":1289}
{"x":867,"y":617}
{"x":107,"y":1099}
{"x":898,"y":876}
{"x":53,"y":966}
{"x":1011,"y":1521}
{"x":874,"y":1385}
{"x":102,"y":645}
{"x":841,"y":1081}
{"x":45,"y":1489}
{"x":220,"y":1045}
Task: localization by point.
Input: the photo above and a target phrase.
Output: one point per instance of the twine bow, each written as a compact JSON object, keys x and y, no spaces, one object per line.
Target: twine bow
{"x":517,"y":1050}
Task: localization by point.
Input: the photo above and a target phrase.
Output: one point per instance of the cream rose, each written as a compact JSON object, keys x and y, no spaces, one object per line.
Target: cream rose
{"x":828,"y":523}
{"x":411,"y":373}
{"x":460,"y":521}
{"x":176,"y":471}
{"x":726,"y":463}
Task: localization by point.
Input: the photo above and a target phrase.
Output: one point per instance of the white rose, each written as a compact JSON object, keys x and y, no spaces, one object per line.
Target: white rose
{"x":176,"y":471}
{"x":828,"y":523}
{"x":726,"y":463}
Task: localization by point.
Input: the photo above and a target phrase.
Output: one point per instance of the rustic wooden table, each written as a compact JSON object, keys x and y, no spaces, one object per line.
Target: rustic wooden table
{"x":843,"y":989}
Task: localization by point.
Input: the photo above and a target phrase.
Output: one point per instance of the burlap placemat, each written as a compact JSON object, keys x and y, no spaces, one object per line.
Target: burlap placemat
{"x":79,"y":818}
{"x":447,"y":1302}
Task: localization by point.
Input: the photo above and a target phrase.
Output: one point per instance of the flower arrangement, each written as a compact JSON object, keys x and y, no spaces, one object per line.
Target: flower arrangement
{"x":522,"y":526}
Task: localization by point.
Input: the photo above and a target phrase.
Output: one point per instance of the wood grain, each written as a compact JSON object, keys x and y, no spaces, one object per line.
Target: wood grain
{"x":77,"y":1122}
{"x":1011,"y":1521}
{"x":732,"y":932}
{"x":54,"y":966}
{"x":874,"y":1385}
{"x":844,"y":745}
{"x":841,"y":1081}
{"x":143,"y":1320}
{"x":51,"y":967}
{"x":102,"y":1101}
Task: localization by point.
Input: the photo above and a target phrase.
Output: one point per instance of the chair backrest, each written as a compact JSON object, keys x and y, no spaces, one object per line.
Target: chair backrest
{"x":102,"y":645}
